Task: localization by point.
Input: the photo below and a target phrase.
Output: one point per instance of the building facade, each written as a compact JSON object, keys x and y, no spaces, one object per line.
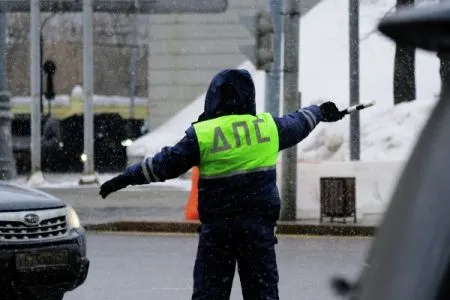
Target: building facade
{"x":177,"y":55}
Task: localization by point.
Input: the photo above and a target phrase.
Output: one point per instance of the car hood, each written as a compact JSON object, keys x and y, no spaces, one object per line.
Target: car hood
{"x":16,"y":198}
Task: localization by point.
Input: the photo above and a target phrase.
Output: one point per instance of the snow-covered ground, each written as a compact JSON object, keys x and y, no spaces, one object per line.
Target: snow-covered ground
{"x":387,"y":132}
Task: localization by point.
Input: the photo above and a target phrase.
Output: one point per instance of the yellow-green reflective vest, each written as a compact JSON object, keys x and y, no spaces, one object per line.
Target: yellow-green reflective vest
{"x":237,"y":144}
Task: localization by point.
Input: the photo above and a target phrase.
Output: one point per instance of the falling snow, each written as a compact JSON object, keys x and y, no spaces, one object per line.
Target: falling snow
{"x":324,"y":75}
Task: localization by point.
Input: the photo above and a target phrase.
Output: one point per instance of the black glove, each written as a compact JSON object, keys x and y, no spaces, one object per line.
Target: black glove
{"x":117,"y":183}
{"x":330,"y":113}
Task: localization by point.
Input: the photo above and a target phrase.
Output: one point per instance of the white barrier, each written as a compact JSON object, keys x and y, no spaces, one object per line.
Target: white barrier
{"x":375,"y":182}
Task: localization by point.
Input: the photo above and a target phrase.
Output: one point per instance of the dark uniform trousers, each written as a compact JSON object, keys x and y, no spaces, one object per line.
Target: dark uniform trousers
{"x":245,"y":242}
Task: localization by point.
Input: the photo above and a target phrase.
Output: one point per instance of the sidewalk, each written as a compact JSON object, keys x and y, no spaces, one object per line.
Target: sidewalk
{"x":153,"y":203}
{"x":160,"y":208}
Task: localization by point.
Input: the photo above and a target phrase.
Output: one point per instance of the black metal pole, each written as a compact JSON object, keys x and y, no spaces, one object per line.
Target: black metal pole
{"x":290,"y":103}
{"x":41,"y":63}
{"x":354,"y":78}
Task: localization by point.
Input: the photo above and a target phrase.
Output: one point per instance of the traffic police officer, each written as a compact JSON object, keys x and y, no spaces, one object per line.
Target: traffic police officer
{"x":236,"y":152}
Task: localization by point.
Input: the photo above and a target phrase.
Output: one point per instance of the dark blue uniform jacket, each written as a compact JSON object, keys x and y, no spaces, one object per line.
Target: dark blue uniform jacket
{"x":253,"y":195}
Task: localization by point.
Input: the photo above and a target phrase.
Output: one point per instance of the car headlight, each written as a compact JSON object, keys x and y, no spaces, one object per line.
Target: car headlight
{"x":73,"y":222}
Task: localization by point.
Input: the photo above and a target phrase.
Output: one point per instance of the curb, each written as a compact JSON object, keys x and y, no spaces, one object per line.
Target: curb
{"x":326,"y":229}
{"x":144,"y":226}
{"x":288,"y":228}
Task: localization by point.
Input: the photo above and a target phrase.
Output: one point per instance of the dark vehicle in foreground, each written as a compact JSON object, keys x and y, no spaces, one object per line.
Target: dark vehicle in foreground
{"x":42,"y":245}
{"x":410,"y":255}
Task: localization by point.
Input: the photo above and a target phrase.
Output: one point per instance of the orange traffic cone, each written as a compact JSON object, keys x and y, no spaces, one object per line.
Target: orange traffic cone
{"x":190,"y":210}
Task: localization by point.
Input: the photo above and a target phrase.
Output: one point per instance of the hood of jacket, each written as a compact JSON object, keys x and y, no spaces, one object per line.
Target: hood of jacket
{"x":231,"y":92}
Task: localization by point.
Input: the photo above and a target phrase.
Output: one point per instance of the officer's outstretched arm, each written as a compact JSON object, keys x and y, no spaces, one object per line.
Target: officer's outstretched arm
{"x":294,"y":127}
{"x":169,"y":163}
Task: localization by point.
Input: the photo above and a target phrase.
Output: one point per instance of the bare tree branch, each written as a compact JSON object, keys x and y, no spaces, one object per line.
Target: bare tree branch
{"x":367,"y":35}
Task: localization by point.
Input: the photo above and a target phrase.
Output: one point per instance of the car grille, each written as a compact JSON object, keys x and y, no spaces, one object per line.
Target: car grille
{"x":48,"y":228}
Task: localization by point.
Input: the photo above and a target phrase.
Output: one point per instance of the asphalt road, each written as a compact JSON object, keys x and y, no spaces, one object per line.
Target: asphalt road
{"x":138,"y":267}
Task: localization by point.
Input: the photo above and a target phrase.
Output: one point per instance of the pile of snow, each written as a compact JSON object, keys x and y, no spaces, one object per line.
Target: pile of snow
{"x":387,"y":135}
{"x":77,"y":91}
{"x":387,"y":132}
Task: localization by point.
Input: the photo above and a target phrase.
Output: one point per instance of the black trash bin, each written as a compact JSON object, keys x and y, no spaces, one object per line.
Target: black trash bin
{"x":338,"y":198}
